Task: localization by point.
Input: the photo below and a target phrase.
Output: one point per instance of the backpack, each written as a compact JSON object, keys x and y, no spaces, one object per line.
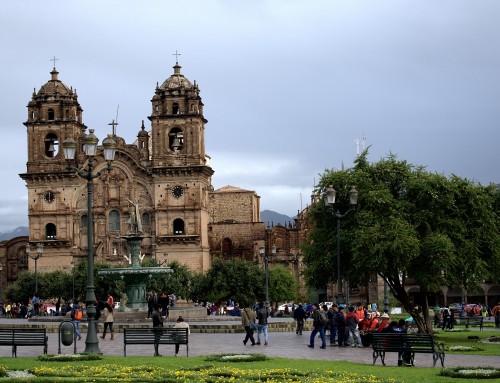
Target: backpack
{"x":78,"y":314}
{"x":323,"y":319}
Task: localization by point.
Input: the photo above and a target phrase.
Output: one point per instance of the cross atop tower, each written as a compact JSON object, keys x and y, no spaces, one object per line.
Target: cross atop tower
{"x":54,"y":60}
{"x":113,"y":124}
{"x":176,"y":56}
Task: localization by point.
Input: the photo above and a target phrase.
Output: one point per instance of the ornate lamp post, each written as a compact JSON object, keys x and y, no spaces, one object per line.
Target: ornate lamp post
{"x":157,"y":261}
{"x":1,"y":281}
{"x":90,"y":149}
{"x":265,"y":257}
{"x":329,"y":198}
{"x":35,"y":257}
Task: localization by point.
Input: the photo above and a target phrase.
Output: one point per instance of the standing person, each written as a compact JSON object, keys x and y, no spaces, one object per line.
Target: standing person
{"x":180,"y":324}
{"x":446,"y":317}
{"x":157,"y":324}
{"x":299,"y":315}
{"x":151,"y":305}
{"x":36,"y":303}
{"x":318,"y":326}
{"x":76,"y":317}
{"x":248,"y":321}
{"x":340,"y":323}
{"x":352,"y":327}
{"x":164,"y":301}
{"x":496,"y":313}
{"x":332,"y":312}
{"x":108,"y":322}
{"x":262,"y":315}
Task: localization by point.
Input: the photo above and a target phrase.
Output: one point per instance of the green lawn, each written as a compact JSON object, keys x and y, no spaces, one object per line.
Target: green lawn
{"x":198,"y":369}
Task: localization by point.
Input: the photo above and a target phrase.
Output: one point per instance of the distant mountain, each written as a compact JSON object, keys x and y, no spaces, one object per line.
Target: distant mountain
{"x":18,"y":232}
{"x":272,"y":218}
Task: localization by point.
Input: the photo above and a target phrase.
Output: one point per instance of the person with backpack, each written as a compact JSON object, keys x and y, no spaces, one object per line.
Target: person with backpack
{"x":319,"y":322}
{"x":76,"y":317}
{"x":332,"y":312}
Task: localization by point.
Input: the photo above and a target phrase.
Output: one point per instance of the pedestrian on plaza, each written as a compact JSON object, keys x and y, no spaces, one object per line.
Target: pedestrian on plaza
{"x":352,"y":320}
{"x":496,"y":313}
{"x":340,"y":323}
{"x":180,"y":324}
{"x":262,"y":315}
{"x":76,"y":317}
{"x":151,"y":305}
{"x":156,"y":316}
{"x":318,"y":326}
{"x":299,"y":315}
{"x":108,"y":322}
{"x":248,"y":322}
{"x":446,"y":318}
{"x":332,"y":312}
{"x":163,"y":300}
{"x":36,"y":303}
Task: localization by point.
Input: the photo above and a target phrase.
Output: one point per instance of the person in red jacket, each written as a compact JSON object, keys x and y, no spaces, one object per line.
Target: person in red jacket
{"x":384,"y":323}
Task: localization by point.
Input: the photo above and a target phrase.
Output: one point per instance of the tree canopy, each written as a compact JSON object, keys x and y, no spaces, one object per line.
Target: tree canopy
{"x":410,"y":224}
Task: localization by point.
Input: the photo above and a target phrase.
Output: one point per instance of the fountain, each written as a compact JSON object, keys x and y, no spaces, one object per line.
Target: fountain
{"x":135,"y":276}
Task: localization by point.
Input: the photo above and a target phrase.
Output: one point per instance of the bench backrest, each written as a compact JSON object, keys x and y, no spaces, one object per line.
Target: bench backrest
{"x":139,"y":335}
{"x":174,"y":335}
{"x":20,"y":336}
{"x":396,"y":342}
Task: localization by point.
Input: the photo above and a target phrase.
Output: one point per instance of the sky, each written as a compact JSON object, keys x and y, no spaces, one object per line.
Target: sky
{"x":288,"y":85}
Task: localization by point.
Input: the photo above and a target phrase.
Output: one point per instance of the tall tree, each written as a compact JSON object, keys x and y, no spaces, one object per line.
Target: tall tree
{"x":410,"y":224}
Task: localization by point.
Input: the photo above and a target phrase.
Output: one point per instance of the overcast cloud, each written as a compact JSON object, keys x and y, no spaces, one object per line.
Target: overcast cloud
{"x":287,"y":85}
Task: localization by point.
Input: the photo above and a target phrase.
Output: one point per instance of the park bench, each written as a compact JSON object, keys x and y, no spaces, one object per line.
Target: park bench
{"x":155,"y":336}
{"x":23,"y":337}
{"x":473,"y":321}
{"x":406,"y":345}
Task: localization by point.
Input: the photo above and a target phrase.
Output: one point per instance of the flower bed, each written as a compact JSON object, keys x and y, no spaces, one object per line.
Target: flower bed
{"x":471,"y":372}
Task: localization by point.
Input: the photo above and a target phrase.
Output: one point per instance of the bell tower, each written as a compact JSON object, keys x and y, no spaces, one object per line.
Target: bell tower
{"x":54,"y":114}
{"x":181,"y":171}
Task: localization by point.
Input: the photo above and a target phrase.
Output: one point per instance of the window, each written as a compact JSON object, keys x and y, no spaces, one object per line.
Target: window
{"x":227,"y":246}
{"x":176,"y":139}
{"x":51,"y":145}
{"x":175,"y":108}
{"x":178,"y":226}
{"x":146,"y":219}
{"x":50,"y":231}
{"x":83,"y":221}
{"x":114,"y":220}
{"x":50,"y":114}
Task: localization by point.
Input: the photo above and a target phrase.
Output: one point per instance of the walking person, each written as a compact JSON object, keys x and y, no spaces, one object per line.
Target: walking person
{"x":299,"y":315}
{"x":157,"y":325}
{"x":248,"y":322}
{"x":180,"y":324}
{"x":318,"y":326}
{"x":108,"y":322}
{"x":262,"y":315}
{"x":76,"y":317}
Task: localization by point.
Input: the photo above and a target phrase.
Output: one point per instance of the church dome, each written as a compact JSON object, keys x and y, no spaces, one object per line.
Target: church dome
{"x":176,"y":81}
{"x":55,"y":86}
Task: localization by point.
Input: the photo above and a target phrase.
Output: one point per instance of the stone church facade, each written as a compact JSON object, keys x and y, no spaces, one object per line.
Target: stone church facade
{"x":166,"y":171}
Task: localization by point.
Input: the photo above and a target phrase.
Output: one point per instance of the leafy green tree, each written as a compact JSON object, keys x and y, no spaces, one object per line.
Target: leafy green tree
{"x":237,"y":279}
{"x":282,"y":285}
{"x":411,"y":224}
{"x":177,"y":282}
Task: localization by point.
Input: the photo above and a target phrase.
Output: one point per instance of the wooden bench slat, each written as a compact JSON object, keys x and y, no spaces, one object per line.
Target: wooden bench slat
{"x":23,"y":337}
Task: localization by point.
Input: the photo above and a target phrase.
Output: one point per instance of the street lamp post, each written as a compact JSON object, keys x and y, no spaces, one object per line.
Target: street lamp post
{"x":329,"y":198}
{"x":73,"y":271}
{"x":90,"y":149}
{"x":39,"y":253}
{"x":157,"y":261}
{"x":1,"y":280}
{"x":265,"y":257}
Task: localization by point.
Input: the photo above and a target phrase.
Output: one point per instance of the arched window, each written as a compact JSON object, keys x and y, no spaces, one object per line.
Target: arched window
{"x":51,"y":145}
{"x":146,"y":219}
{"x":114,"y":220}
{"x":227,"y":246}
{"x":175,"y":139}
{"x":50,"y":114}
{"x":175,"y":108}
{"x":50,"y":231}
{"x":83,"y":221}
{"x":178,"y":226}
